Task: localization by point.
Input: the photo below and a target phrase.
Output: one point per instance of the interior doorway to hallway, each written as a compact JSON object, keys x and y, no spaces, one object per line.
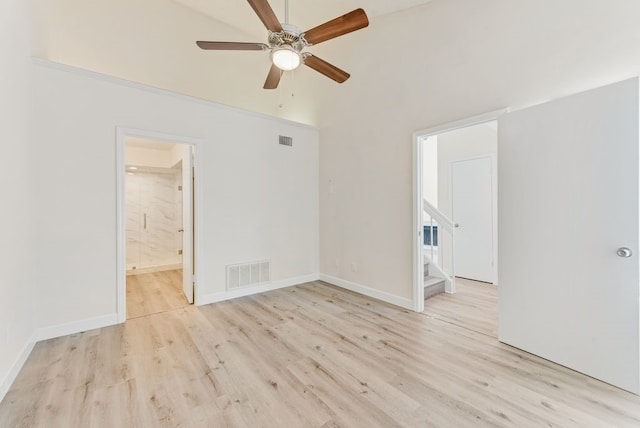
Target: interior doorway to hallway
{"x":156,"y":225}
{"x":455,"y":189}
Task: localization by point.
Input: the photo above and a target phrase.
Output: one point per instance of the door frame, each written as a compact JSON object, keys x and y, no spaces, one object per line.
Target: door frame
{"x":493,"y":157}
{"x":122,"y":134}
{"x":417,"y":142}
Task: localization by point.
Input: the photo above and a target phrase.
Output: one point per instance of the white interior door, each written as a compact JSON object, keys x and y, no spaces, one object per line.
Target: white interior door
{"x":568,"y":187}
{"x":472,"y":211}
{"x":187,"y":222}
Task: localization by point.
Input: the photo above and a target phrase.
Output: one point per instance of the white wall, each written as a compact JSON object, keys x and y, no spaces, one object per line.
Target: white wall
{"x":153,"y":42}
{"x":155,"y":158}
{"x":259,"y":199}
{"x":430,"y":170}
{"x":449,"y":60}
{"x":17,"y":258}
{"x":464,"y":143}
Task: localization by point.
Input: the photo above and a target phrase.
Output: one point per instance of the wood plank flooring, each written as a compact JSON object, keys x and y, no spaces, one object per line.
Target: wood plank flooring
{"x":150,"y":293}
{"x":306,"y":356}
{"x":474,"y":306}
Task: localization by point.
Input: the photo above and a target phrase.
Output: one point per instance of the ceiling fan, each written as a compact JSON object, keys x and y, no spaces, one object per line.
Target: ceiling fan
{"x":286,"y":42}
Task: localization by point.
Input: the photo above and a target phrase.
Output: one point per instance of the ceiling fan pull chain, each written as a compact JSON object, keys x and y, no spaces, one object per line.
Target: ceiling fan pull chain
{"x":293,"y":83}
{"x":280,"y":97}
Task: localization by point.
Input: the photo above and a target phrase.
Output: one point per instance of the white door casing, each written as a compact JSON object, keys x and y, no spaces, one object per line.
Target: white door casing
{"x":418,"y":192}
{"x":187,"y":222}
{"x":121,"y":135}
{"x":568,"y":186}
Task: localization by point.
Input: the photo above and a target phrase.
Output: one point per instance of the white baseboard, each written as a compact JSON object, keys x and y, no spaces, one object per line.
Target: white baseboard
{"x":368,"y":291}
{"x":153,"y":269}
{"x":59,"y":330}
{"x":6,"y":383}
{"x":51,"y":332}
{"x":112,"y":319}
{"x":248,"y":291}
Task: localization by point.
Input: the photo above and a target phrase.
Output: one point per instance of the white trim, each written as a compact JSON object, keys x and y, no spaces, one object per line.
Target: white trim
{"x":463,"y":123}
{"x":370,"y":292}
{"x":449,"y":281}
{"x":45,"y":333}
{"x":51,"y":332}
{"x":121,"y":267}
{"x":418,"y":216}
{"x":121,"y":222}
{"x":152,"y":269}
{"x":418,"y":248}
{"x":11,"y":376}
{"x":147,"y":88}
{"x":437,"y":215}
{"x":249,"y":291}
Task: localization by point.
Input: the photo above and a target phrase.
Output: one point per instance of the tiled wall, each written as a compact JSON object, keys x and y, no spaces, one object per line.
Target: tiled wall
{"x":156,"y":194}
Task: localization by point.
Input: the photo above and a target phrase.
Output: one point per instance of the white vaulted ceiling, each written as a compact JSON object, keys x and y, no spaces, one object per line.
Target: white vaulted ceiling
{"x":305,"y":14}
{"x":153,"y":42}
{"x":448,"y":52}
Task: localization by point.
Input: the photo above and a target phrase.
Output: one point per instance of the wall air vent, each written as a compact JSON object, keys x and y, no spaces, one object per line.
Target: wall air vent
{"x":248,"y":274}
{"x":285,"y":141}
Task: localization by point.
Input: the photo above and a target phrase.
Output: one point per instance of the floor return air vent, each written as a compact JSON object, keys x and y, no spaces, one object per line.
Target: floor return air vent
{"x":248,"y":274}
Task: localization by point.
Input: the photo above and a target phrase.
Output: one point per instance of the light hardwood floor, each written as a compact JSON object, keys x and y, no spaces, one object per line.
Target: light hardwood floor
{"x":474,"y":307}
{"x":306,"y":356}
{"x":150,"y":293}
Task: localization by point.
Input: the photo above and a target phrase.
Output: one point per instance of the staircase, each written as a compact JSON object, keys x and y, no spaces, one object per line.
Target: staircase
{"x":433,"y":285}
{"x":438,"y":252}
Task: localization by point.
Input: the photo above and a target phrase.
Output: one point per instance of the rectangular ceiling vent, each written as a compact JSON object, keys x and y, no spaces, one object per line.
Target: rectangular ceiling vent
{"x":286,"y":141}
{"x":248,"y":274}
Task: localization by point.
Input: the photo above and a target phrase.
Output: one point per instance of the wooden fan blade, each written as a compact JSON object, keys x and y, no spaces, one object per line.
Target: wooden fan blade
{"x":232,"y":46}
{"x":273,"y":78}
{"x":322,"y":66}
{"x":266,"y":15}
{"x":344,"y":24}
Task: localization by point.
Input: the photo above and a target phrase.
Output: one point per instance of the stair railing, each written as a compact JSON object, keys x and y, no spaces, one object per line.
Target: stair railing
{"x":438,"y":240}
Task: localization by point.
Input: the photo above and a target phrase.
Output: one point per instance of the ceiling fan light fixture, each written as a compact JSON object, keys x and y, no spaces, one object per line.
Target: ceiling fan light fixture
{"x":286,"y":58}
{"x":287,"y":43}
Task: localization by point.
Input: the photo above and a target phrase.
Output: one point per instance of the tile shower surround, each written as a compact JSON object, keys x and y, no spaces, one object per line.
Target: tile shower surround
{"x":156,"y":194}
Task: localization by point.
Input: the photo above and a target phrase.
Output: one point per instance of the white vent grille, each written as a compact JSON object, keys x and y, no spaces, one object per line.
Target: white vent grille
{"x":248,"y":274}
{"x":286,"y":141}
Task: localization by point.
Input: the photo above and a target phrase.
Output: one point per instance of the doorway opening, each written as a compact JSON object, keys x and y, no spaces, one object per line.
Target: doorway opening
{"x":455,"y":191}
{"x":156,"y":224}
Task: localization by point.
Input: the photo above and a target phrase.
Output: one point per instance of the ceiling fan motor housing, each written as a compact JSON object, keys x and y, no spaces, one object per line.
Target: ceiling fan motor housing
{"x":290,"y":35}
{"x":286,"y":42}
